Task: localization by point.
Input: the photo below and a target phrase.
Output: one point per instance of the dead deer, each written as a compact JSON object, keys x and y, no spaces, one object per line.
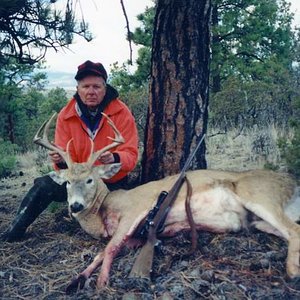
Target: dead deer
{"x":220,"y":202}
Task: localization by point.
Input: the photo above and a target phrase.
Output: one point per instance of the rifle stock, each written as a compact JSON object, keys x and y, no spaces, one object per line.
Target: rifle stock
{"x":143,"y":264}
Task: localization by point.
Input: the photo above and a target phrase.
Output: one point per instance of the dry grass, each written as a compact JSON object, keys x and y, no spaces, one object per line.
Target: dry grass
{"x":251,"y":149}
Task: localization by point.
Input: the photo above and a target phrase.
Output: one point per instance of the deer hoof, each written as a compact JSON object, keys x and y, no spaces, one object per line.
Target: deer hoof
{"x":76,"y":283}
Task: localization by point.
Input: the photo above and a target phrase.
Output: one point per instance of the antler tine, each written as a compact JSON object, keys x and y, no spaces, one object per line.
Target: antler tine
{"x":117,"y":140}
{"x":44,"y":140}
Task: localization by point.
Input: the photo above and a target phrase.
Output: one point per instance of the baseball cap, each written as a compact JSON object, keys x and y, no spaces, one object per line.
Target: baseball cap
{"x":90,"y":68}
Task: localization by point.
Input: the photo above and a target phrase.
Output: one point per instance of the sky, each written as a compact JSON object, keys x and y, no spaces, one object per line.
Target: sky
{"x":295,"y":8}
{"x":108,"y":26}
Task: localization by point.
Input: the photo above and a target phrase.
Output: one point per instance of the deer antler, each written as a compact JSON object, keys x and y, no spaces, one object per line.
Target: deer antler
{"x":117,"y":140}
{"x":44,"y":141}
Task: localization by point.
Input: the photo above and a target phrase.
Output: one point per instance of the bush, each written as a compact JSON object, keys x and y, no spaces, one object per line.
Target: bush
{"x":291,"y":150}
{"x":7,"y":157}
{"x":291,"y":153}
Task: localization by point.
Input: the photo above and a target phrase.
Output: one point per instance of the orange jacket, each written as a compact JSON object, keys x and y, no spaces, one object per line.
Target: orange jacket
{"x":70,"y":126}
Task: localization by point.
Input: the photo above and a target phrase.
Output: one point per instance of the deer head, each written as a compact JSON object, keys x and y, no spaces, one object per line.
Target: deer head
{"x":83,"y":180}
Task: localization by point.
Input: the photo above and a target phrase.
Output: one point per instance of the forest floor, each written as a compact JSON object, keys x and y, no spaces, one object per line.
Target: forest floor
{"x":244,"y":265}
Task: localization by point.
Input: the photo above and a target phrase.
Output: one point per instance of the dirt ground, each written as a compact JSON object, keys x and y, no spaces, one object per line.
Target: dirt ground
{"x":246,"y":265}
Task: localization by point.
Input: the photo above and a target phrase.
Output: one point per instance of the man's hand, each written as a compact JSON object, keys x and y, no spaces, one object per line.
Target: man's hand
{"x":55,"y":157}
{"x":106,"y":158}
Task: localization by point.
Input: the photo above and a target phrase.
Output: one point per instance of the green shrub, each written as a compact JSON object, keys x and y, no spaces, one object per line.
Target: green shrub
{"x":291,"y":149}
{"x":56,"y":206}
{"x":270,"y":166}
{"x":291,"y":153}
{"x":44,"y":170}
{"x":7,"y":157}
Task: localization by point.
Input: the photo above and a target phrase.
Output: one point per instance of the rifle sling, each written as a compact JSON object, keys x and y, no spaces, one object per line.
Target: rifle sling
{"x":190,"y":218}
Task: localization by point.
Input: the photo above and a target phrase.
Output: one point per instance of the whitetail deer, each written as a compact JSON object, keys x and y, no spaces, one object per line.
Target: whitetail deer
{"x":220,"y":202}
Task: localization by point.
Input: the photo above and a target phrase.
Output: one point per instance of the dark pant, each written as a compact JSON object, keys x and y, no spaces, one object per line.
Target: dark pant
{"x":43,"y":192}
{"x":121,"y":184}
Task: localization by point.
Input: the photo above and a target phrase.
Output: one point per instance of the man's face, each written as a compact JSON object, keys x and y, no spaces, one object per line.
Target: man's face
{"x":91,"y":90}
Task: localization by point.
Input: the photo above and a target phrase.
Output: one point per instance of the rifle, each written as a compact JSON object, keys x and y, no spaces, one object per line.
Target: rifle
{"x":143,"y":263}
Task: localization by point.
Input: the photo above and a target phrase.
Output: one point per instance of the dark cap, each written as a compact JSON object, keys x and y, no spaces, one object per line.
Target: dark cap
{"x":90,"y":68}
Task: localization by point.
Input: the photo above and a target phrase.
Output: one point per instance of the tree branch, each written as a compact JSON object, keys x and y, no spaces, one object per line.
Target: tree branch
{"x":245,"y":53}
{"x":128,"y":31}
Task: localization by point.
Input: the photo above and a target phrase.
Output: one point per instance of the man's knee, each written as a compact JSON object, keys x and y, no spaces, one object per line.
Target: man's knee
{"x":51,"y":189}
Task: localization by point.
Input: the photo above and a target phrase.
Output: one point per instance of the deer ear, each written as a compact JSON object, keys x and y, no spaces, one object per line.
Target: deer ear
{"x":108,"y":171}
{"x":58,"y":176}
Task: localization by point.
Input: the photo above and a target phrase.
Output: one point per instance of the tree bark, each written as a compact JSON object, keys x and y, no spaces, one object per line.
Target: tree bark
{"x":215,"y":41}
{"x":10,"y":128}
{"x":179,"y":84}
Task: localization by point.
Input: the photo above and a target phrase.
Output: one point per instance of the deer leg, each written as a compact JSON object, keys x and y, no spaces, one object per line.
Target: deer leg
{"x":79,"y":281}
{"x":286,"y":228}
{"x":292,"y":264}
{"x":111,"y":250}
{"x":266,"y":227}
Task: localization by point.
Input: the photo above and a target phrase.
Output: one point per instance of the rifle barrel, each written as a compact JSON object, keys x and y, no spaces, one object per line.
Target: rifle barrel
{"x":191,"y":156}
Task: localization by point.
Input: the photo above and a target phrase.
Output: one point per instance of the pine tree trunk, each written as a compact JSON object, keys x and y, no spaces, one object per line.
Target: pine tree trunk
{"x":177,"y":113}
{"x":10,"y":128}
{"x":215,"y":40}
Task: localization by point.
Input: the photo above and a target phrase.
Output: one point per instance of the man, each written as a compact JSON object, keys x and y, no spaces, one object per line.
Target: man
{"x":81,"y":120}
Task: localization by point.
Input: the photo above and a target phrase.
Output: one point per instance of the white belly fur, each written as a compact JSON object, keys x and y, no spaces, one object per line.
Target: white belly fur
{"x":217,"y":209}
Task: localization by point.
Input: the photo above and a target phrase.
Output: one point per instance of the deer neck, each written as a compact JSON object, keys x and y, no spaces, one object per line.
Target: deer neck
{"x":99,"y":199}
{"x":90,"y":220}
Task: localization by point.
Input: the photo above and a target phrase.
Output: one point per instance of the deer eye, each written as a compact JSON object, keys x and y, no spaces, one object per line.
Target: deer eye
{"x":90,"y":180}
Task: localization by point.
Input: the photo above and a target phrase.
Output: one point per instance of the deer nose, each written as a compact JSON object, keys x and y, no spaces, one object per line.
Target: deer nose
{"x":76,"y":207}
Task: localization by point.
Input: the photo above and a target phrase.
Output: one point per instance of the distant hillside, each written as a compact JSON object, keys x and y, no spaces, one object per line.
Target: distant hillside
{"x":61,"y":79}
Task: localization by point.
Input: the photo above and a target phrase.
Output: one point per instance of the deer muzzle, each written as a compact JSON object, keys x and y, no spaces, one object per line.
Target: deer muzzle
{"x":76,"y":207}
